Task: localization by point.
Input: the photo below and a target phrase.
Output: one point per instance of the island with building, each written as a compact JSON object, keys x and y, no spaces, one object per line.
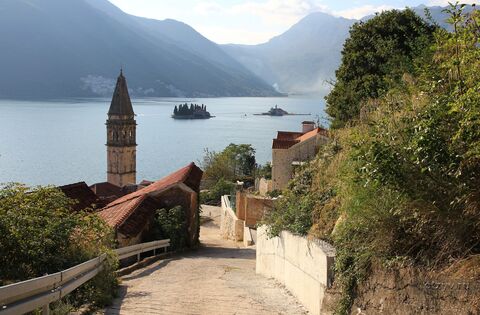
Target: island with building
{"x":277,"y":111}
{"x":194,"y":111}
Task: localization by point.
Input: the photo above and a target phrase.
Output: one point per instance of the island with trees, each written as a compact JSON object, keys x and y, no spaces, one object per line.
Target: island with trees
{"x":194,"y":111}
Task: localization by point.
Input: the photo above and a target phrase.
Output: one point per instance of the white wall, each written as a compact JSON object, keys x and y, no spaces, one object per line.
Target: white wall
{"x":230,"y":226}
{"x":305,"y":267}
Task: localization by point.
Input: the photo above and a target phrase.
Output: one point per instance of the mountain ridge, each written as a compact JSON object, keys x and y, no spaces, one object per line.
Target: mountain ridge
{"x":303,"y":59}
{"x":51,"y":52}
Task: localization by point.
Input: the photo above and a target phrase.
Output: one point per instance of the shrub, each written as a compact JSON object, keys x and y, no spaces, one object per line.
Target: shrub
{"x":42,"y":235}
{"x":214,"y":194}
{"x":374,"y":59}
{"x":403,"y":180}
{"x":171,"y":224}
{"x":235,"y":162}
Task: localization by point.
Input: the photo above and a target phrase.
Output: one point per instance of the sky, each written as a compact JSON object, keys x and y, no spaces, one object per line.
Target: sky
{"x":256,"y":21}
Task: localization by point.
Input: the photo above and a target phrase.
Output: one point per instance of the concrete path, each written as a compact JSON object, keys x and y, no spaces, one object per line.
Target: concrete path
{"x":219,"y":278}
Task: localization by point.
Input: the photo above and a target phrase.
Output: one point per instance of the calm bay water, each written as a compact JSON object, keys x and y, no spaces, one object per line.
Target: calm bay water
{"x":62,"y":142}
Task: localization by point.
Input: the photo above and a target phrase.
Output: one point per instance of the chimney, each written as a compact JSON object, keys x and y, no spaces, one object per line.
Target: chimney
{"x":308,"y":126}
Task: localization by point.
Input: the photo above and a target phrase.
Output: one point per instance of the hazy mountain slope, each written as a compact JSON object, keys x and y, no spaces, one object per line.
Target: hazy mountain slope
{"x":66,"y":48}
{"x":301,"y":59}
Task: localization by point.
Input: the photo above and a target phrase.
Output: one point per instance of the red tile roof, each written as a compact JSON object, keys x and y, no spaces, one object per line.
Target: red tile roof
{"x":116,"y":215}
{"x":118,"y":211}
{"x":80,"y":192}
{"x":283,"y":144}
{"x":107,"y":189}
{"x":286,"y":139}
{"x":288,"y":135}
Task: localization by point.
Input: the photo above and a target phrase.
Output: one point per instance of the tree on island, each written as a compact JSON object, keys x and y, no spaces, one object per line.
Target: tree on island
{"x":192,"y":110}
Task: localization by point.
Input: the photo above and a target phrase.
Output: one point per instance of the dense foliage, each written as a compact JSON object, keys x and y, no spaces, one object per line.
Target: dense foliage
{"x":171,"y":224}
{"x":40,"y":234}
{"x":213,"y":195}
{"x":235,"y":162}
{"x":374,"y":59}
{"x":264,"y":171}
{"x":194,"y":109}
{"x":401,"y":184}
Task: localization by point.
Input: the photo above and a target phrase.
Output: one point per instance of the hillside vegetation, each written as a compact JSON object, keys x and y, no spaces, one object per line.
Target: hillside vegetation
{"x":41,"y":234}
{"x":399,"y":182}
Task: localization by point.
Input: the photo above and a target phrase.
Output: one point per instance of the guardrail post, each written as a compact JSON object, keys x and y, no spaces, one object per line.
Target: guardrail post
{"x":46,"y":310}
{"x":138,"y":257}
{"x":154,"y":252}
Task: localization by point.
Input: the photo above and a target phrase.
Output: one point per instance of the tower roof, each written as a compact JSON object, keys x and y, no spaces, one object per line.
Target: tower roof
{"x":121,"y":104}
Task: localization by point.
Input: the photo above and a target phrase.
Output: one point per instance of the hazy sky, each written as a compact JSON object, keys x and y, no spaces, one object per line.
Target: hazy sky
{"x":256,"y":21}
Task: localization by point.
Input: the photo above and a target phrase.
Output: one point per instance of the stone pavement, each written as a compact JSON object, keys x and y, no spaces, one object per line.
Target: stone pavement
{"x":219,"y":278}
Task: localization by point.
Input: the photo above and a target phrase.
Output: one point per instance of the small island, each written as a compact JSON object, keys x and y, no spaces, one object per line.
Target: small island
{"x":194,"y":111}
{"x":277,"y":111}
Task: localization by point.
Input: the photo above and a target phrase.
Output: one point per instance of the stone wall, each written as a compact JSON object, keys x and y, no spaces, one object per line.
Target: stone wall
{"x":305,"y":267}
{"x":230,"y":226}
{"x":264,"y":186}
{"x":251,"y":208}
{"x":282,"y":159}
{"x":281,"y":168}
{"x":409,"y":290}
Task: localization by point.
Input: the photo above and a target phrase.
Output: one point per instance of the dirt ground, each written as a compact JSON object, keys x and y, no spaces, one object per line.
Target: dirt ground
{"x":218,"y":278}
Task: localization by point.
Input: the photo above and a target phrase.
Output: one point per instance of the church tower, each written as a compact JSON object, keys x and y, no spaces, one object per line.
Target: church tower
{"x":121,"y":143}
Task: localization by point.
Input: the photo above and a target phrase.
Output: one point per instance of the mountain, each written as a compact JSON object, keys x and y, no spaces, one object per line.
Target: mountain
{"x":75,"y":48}
{"x":304,"y":58}
{"x":438,"y":14}
{"x":300,"y":60}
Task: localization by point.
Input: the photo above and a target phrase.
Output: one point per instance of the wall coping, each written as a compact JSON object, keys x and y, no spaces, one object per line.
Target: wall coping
{"x":226,"y":205}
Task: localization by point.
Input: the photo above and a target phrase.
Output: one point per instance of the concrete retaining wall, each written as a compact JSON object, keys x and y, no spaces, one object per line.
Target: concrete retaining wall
{"x":230,"y":226}
{"x":305,"y":267}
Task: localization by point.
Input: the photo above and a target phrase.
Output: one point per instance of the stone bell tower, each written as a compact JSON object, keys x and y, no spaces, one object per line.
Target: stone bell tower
{"x":121,"y":137}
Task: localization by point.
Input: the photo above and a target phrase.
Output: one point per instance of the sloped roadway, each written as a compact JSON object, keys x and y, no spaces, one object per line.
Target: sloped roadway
{"x":218,"y":278}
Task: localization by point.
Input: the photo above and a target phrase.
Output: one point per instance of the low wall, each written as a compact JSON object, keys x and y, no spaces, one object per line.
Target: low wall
{"x":304,"y":267}
{"x":251,"y":208}
{"x":264,"y":186}
{"x":230,"y":226}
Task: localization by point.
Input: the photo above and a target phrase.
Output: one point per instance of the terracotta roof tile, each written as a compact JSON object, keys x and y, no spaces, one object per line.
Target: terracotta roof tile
{"x":286,"y":139}
{"x":117,"y":212}
{"x":107,"y":189}
{"x":288,"y":135}
{"x":283,"y":144}
{"x":80,"y":192}
{"x":179,"y":176}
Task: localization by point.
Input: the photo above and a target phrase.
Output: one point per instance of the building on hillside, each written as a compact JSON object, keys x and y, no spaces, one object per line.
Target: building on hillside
{"x":83,"y":196}
{"x":107,"y":192}
{"x":121,"y":137}
{"x":132,"y":215}
{"x":290,"y":149}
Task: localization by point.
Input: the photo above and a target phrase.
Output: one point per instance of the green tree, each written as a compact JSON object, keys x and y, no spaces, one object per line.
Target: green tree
{"x":235,"y":162}
{"x":171,"y":224}
{"x":213,"y":195}
{"x":374,"y":58}
{"x":40,"y":234}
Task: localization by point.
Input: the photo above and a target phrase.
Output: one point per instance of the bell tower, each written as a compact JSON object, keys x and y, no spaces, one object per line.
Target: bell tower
{"x":121,"y":137}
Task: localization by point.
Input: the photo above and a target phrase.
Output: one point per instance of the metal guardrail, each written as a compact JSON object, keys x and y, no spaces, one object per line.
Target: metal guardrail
{"x":26,"y":296}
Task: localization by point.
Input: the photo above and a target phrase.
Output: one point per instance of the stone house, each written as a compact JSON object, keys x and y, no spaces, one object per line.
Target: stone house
{"x":132,"y":215}
{"x":290,"y":149}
